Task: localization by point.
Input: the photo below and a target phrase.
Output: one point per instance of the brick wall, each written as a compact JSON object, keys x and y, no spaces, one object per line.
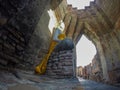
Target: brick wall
{"x":18,"y":22}
{"x":60,"y":64}
{"x":12,"y":45}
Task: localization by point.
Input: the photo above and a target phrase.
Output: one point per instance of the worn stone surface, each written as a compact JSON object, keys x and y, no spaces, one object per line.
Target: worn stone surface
{"x":60,"y":64}
{"x":24,"y":33}
{"x":92,"y":85}
{"x":96,"y":69}
{"x":29,"y":81}
{"x":21,"y":31}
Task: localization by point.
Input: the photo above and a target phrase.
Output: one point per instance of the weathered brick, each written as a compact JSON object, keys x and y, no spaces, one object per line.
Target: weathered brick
{"x":8,"y":58}
{"x":60,"y":66}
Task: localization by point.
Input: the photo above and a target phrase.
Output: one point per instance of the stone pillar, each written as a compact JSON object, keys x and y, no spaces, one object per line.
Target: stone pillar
{"x":72,"y":26}
{"x":103,"y":61}
{"x":113,"y":57}
{"x":74,"y":62}
{"x":67,"y":20}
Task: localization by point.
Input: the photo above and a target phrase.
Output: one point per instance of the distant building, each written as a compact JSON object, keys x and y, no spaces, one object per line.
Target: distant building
{"x":80,"y":71}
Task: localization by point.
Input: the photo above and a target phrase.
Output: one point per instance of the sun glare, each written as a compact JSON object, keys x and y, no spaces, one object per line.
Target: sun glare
{"x":85,"y":51}
{"x":80,"y":4}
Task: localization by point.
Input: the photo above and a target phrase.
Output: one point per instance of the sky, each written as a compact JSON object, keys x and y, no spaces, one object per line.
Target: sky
{"x":80,"y":4}
{"x":85,"y":51}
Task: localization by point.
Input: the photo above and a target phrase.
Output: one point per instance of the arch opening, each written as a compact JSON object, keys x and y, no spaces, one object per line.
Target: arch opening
{"x":85,"y":51}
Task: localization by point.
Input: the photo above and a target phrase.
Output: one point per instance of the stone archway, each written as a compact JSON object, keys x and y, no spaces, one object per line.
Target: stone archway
{"x":88,"y":31}
{"x":100,"y":27}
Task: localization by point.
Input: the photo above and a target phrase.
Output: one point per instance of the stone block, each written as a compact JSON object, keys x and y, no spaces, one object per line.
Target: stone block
{"x":0,"y":47}
{"x":14,"y":39}
{"x":54,"y":68}
{"x":55,"y":56}
{"x":61,"y":57}
{"x":8,"y":57}
{"x":20,"y":48}
{"x":7,"y":47}
{"x":67,"y":64}
{"x":48,"y":68}
{"x":3,"y":21}
{"x":59,"y":65}
{"x":3,"y":62}
{"x":55,"y":59}
{"x":62,"y":52}
{"x":113,"y":77}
